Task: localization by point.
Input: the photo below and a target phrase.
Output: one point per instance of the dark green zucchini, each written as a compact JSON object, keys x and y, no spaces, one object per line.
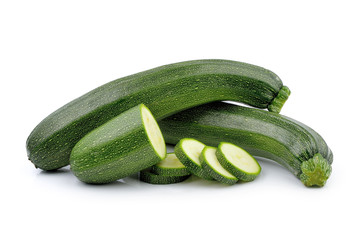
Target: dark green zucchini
{"x":284,"y":140}
{"x":165,"y":90}
{"x":127,"y":144}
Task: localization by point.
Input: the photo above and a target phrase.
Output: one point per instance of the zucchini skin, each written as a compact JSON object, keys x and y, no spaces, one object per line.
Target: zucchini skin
{"x":261,"y":133}
{"x":170,"y":172}
{"x":239,"y":173}
{"x":213,"y":172}
{"x":115,"y":150}
{"x":152,"y":178}
{"x":165,"y":90}
{"x":193,"y":167}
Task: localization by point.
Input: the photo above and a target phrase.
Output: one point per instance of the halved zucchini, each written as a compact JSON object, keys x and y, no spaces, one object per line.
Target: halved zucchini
{"x":237,"y":161}
{"x":213,"y":167}
{"x":125,"y":145}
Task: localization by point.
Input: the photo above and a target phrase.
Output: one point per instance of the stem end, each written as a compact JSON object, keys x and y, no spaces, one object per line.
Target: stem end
{"x":278,"y":102}
{"x":315,"y":171}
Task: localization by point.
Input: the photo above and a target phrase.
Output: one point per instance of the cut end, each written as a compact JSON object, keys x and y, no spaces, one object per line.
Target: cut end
{"x":315,"y":171}
{"x":240,"y":158}
{"x":193,"y":149}
{"x":279,"y":101}
{"x":211,"y":159}
{"x":153,"y":131}
{"x":170,"y":161}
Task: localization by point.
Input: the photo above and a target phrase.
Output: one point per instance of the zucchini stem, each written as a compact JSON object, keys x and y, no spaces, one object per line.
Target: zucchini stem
{"x":315,"y":171}
{"x":278,"y":102}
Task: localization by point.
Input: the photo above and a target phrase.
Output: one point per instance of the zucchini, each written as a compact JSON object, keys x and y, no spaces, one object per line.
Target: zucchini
{"x":290,"y":143}
{"x":149,"y":177}
{"x":212,"y":166}
{"x":238,"y":162}
{"x":165,"y":90}
{"x":125,"y":145}
{"x":188,"y":151}
{"x":170,"y":166}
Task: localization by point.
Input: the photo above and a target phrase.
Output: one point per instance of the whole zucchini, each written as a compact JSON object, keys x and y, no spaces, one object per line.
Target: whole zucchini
{"x":286,"y":141}
{"x":165,"y":90}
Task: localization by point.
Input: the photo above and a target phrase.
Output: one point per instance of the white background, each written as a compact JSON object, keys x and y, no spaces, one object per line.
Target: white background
{"x":54,"y":51}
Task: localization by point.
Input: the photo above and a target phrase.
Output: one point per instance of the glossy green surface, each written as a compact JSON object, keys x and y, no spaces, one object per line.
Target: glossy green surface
{"x":115,"y":150}
{"x":165,"y":90}
{"x":261,"y":133}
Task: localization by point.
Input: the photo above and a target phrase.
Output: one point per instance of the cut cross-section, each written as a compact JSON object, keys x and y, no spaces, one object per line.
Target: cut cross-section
{"x":188,"y":151}
{"x":153,"y":132}
{"x":212,"y":166}
{"x":237,"y":161}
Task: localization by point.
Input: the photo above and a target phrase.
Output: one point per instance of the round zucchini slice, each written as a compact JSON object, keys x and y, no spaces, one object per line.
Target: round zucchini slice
{"x":213,"y":167}
{"x":170,"y":166}
{"x":238,"y":162}
{"x":188,"y":151}
{"x":152,"y":178}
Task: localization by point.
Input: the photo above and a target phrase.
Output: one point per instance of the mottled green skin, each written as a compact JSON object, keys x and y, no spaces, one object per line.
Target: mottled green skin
{"x":170,"y":171}
{"x":259,"y":132}
{"x":149,"y":177}
{"x":213,"y":173}
{"x":237,"y":172}
{"x":165,"y":90}
{"x":190,"y":164}
{"x":114,"y":150}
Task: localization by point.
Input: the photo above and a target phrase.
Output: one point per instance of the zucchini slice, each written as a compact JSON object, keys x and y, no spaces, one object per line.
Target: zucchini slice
{"x":170,"y":166}
{"x":149,"y":177}
{"x":212,"y":166}
{"x":237,"y":161}
{"x":188,"y":151}
{"x":125,"y":145}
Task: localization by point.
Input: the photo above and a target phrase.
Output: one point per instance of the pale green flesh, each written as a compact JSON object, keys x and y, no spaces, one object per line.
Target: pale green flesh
{"x":211,"y":159}
{"x":171,"y":161}
{"x":193,"y":149}
{"x":153,"y":132}
{"x":239,"y":158}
